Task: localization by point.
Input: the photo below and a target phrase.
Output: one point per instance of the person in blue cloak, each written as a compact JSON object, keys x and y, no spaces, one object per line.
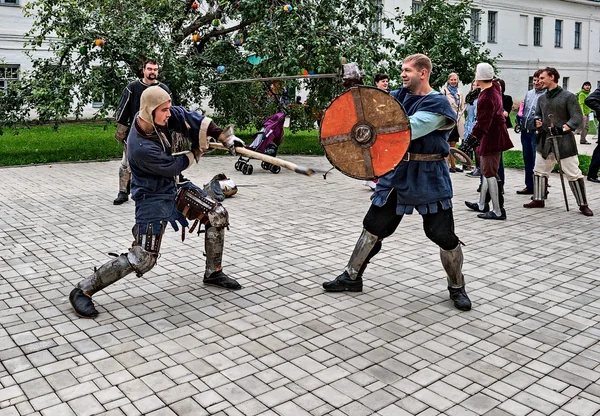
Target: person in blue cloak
{"x":420,"y":182}
{"x":158,"y":200}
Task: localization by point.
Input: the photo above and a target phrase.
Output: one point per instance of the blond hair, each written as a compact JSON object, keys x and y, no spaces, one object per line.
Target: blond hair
{"x":453,"y":74}
{"x":420,"y":61}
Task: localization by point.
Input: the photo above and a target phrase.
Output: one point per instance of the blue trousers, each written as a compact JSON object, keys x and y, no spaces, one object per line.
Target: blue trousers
{"x":528,"y":144}
{"x":595,"y":163}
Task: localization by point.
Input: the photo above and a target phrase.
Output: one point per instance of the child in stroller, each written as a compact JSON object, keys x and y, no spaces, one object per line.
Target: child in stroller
{"x":267,"y":141}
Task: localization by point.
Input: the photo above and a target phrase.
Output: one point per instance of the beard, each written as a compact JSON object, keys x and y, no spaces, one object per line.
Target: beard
{"x":151,"y":76}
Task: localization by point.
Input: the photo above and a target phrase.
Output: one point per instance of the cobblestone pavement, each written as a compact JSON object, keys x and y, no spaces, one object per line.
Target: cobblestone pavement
{"x":164,"y":344}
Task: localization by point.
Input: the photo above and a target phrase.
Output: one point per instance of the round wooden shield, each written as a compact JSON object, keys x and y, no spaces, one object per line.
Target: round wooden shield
{"x":365,"y":132}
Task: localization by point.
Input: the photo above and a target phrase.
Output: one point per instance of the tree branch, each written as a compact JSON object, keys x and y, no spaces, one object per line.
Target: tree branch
{"x":216,"y":33}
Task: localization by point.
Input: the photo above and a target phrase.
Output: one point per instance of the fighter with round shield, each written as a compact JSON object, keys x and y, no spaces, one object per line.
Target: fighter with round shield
{"x":366,"y":135}
{"x":158,"y":201}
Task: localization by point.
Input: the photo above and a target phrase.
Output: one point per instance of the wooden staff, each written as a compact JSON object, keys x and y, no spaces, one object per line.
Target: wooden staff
{"x":269,"y":159}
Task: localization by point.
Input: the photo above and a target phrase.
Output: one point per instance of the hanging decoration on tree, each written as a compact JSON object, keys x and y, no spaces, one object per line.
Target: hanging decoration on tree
{"x":99,"y":42}
{"x":83,"y":50}
{"x":216,"y":22}
{"x":220,"y":69}
{"x":194,"y":5}
{"x":304,"y":72}
{"x":239,"y":41}
{"x":288,"y":8}
{"x":195,"y":37}
{"x":343,"y":60}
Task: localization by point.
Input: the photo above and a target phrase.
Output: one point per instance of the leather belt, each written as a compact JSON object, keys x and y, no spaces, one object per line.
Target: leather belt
{"x":423,"y":157}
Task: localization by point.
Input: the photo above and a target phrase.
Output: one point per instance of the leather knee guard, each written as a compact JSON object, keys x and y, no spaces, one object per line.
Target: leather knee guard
{"x":124,"y":178}
{"x":452,"y":260}
{"x":540,"y":187}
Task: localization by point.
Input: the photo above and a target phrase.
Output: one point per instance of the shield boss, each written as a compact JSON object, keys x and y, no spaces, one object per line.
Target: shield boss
{"x":365,"y":132}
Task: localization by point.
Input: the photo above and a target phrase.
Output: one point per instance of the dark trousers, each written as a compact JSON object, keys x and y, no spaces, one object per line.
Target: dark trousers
{"x":595,"y":163}
{"x":438,"y":227}
{"x":528,"y":146}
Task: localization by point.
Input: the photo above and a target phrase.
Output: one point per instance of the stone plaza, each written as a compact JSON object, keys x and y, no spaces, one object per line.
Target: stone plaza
{"x":164,"y":344}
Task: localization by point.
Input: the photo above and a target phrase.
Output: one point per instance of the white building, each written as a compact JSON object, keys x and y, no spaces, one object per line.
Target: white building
{"x":534,"y":34}
{"x":530,"y":34}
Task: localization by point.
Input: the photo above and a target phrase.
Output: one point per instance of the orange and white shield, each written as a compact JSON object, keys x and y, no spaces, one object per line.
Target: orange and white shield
{"x":365,"y":132}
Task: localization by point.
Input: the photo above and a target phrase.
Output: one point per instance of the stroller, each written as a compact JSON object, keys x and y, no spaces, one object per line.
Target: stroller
{"x":267,"y":141}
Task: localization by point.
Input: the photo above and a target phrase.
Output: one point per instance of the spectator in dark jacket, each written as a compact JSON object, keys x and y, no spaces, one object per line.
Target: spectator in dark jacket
{"x":593,"y":102}
{"x":490,"y":130}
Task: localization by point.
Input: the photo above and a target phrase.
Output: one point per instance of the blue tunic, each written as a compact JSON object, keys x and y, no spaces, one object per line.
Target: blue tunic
{"x":154,"y":168}
{"x":421,"y":184}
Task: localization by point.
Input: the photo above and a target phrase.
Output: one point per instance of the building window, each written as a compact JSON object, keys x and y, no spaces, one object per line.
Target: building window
{"x":377,"y":23}
{"x":565,"y":83}
{"x":492,"y":26}
{"x":530,"y":84}
{"x":558,"y":33}
{"x":523,"y":26}
{"x":537,"y":31}
{"x":417,"y":6}
{"x":8,"y":73}
{"x":577,"y":35}
{"x":9,"y":2}
{"x":475,"y":21}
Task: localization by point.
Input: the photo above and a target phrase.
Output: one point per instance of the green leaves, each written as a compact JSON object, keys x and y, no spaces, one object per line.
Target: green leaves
{"x":313,"y":36}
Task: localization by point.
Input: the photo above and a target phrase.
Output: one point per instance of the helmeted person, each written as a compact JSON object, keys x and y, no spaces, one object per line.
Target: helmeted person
{"x":558,"y":115}
{"x":129,"y":105}
{"x":157,"y":199}
{"x":420,"y":182}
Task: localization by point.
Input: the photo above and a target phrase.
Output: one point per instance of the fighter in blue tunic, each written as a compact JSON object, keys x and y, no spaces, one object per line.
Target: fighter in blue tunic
{"x":157,"y":199}
{"x":420,"y":182}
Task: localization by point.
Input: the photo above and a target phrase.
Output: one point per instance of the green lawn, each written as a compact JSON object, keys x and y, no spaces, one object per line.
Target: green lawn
{"x":75,"y":142}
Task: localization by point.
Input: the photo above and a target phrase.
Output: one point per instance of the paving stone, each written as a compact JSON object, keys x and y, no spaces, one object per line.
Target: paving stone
{"x":169,"y":345}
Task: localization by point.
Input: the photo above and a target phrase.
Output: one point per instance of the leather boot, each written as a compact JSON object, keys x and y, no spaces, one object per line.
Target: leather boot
{"x":121,"y":197}
{"x":367,"y":246}
{"x":459,"y":297}
{"x":82,"y":304}
{"x":214,"y":240}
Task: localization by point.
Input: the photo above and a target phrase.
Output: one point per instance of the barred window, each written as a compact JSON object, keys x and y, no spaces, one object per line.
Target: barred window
{"x":9,"y":2}
{"x":475,"y":22}
{"x":577,"y":35}
{"x":416,"y":7}
{"x":8,"y":73}
{"x":558,"y":33}
{"x":537,"y":31}
{"x":492,"y":16}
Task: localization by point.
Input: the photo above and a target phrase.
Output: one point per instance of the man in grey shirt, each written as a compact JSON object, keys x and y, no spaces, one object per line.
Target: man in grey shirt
{"x":557,"y":114}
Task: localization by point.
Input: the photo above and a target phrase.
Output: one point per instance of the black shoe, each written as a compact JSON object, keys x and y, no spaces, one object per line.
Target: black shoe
{"x":596,"y":180}
{"x":452,"y":170}
{"x":343,"y":283}
{"x":122,"y":197}
{"x":491,"y":215}
{"x":475,"y":206}
{"x":525,"y":191}
{"x":457,"y":169}
{"x":220,"y":279}
{"x":460,"y":298}
{"x":82,"y":304}
{"x":586,"y":142}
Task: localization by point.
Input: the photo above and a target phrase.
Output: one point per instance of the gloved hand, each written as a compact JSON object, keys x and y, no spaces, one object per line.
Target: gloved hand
{"x":197,"y":153}
{"x":232,"y":142}
{"x":556,"y":131}
{"x":469,"y":144}
{"x":178,"y":217}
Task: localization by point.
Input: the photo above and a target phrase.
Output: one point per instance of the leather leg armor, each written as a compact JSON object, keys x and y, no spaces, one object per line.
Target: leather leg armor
{"x":540,"y":186}
{"x":367,"y":246}
{"x":214,"y":240}
{"x":452,"y":260}
{"x":140,"y":259}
